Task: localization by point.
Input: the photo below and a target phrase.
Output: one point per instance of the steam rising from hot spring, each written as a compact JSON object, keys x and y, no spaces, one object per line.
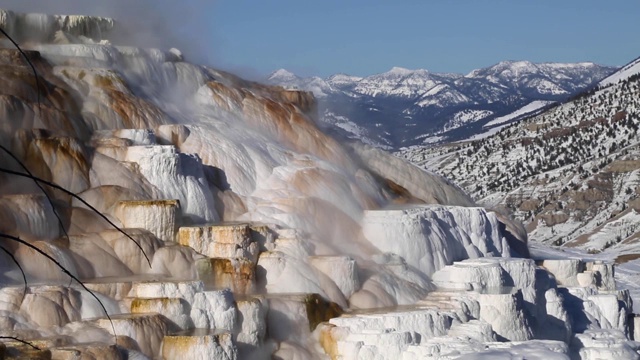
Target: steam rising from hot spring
{"x":165,"y":148}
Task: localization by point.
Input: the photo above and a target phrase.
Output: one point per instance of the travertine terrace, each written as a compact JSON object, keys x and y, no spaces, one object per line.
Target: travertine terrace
{"x":264,"y":236}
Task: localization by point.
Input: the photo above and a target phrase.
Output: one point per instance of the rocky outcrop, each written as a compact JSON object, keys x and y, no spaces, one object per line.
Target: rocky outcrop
{"x":436,"y":235}
{"x":492,"y":307}
{"x":49,"y":28}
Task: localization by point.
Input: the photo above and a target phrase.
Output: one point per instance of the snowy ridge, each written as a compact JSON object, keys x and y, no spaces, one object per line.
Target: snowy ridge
{"x":569,"y":173}
{"x":458,"y":120}
{"x":319,"y":87}
{"x":282,"y":75}
{"x":429,"y":103}
{"x":523,"y":111}
{"x":485,"y":134}
{"x":633,"y":68}
{"x":351,"y":130}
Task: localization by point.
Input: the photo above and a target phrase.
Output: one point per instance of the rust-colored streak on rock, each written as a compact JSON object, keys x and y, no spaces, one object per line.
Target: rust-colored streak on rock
{"x":237,"y":274}
{"x":304,"y":100}
{"x":286,"y":124}
{"x":279,"y":113}
{"x":320,"y":310}
{"x":62,"y":160}
{"x":328,"y":341}
{"x":57,"y":108}
{"x":224,"y":96}
{"x":135,"y":112}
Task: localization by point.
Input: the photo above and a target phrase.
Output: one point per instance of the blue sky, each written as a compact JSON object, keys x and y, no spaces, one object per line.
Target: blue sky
{"x":366,"y":37}
{"x":254,"y":37}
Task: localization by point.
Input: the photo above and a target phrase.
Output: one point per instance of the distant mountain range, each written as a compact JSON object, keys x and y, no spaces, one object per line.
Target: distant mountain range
{"x":571,"y":173}
{"x":405,"y":107}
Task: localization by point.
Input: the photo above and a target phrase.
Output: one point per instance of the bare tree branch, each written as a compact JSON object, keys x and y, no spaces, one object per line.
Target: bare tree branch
{"x":55,"y":186}
{"x":24,"y":277}
{"x":20,"y":341}
{"x":64,"y":270}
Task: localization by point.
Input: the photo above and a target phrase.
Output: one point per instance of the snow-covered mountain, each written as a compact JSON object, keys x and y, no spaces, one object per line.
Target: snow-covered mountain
{"x":571,"y":172}
{"x":405,"y":107}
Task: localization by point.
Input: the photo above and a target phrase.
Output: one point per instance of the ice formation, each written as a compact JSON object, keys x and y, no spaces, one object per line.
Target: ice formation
{"x":265,"y":236}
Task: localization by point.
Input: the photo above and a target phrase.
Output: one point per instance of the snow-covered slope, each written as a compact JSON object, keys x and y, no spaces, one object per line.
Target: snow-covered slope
{"x":319,"y":87}
{"x":544,"y":78}
{"x":627,"y":71}
{"x":401,"y":106}
{"x":570,"y":173}
{"x":523,"y":111}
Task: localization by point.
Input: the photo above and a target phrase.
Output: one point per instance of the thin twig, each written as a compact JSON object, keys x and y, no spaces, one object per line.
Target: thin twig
{"x":20,"y":341}
{"x":55,"y":186}
{"x":33,"y":68}
{"x":24,"y":167}
{"x":24,"y":277}
{"x":64,"y":270}
{"x":35,"y":74}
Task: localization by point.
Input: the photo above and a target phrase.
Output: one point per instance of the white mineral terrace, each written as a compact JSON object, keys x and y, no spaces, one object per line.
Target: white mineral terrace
{"x":257,"y":235}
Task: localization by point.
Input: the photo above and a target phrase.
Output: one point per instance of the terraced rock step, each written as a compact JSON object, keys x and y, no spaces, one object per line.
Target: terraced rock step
{"x":119,"y":288}
{"x":22,"y":352}
{"x":97,"y":351}
{"x":386,"y":332}
{"x":147,"y":330}
{"x":176,"y":310}
{"x":342,"y":270}
{"x":237,"y":274}
{"x":474,"y":329}
{"x":442,"y":300}
{"x":199,"y":344}
{"x":599,"y":344}
{"x":223,"y":240}
{"x":157,"y":216}
{"x":453,"y":348}
{"x":46,"y":348}
{"x":172,"y":289}
{"x":493,"y":306}
{"x":172,"y":309}
{"x":186,"y":176}
{"x":578,"y":273}
{"x":295,"y":316}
